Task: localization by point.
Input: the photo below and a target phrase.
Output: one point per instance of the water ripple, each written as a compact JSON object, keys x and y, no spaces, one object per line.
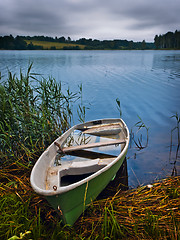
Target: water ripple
{"x":146,"y":82}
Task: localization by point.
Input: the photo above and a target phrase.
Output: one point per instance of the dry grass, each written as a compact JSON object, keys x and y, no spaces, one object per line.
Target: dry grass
{"x":143,"y":213}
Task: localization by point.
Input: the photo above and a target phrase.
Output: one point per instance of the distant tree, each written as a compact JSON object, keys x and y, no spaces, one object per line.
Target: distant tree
{"x":82,"y":41}
{"x":20,"y":44}
{"x":61,"y":40}
{"x":157,"y":41}
{"x":7,"y":42}
{"x":169,"y":40}
{"x":53,"y":48}
{"x":30,"y":46}
{"x":177,"y":39}
{"x":131,"y":45}
{"x":143,"y":45}
{"x":69,"y":39}
{"x":71,"y":48}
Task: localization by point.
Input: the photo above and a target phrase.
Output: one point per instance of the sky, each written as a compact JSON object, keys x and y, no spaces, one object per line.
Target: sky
{"x":135,"y":20}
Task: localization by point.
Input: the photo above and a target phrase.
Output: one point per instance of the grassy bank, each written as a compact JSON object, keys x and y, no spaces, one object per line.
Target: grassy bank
{"x":33,"y":112}
{"x":54,"y":45}
{"x":143,"y":213}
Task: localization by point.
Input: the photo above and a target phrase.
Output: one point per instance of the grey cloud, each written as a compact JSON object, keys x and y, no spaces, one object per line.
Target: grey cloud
{"x":148,"y":14}
{"x":90,"y":18}
{"x":28,"y":17}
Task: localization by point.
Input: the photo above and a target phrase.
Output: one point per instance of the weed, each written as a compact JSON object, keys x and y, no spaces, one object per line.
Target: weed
{"x":139,"y":141}
{"x":119,"y":107}
{"x":177,"y":128}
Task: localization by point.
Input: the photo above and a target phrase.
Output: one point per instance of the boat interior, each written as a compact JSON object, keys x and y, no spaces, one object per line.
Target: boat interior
{"x":73,"y":172}
{"x":75,"y":162}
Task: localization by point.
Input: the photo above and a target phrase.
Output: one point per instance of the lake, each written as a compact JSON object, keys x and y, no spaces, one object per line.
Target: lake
{"x":147,"y":83}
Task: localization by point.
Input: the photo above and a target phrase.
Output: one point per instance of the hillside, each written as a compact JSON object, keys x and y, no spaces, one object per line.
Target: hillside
{"x":46,"y":45}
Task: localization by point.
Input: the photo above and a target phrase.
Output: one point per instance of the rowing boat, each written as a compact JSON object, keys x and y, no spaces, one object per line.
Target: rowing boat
{"x":79,"y":164}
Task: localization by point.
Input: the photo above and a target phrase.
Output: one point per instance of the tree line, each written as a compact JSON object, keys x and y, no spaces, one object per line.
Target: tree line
{"x":169,"y":40}
{"x":19,"y":43}
{"x":114,"y":44}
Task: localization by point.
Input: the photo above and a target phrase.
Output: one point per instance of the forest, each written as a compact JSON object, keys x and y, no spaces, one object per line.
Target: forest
{"x":27,"y":43}
{"x":17,"y":43}
{"x":169,"y":40}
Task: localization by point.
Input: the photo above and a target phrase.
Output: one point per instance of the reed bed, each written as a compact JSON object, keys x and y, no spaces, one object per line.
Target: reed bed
{"x":33,"y":112}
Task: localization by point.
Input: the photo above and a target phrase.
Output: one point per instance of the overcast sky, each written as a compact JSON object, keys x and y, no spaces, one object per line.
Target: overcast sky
{"x":97,"y":19}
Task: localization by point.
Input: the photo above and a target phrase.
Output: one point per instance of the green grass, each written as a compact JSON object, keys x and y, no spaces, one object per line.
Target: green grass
{"x":50,"y":45}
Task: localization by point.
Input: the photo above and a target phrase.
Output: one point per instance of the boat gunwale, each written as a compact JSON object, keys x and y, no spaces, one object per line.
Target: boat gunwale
{"x":63,"y":189}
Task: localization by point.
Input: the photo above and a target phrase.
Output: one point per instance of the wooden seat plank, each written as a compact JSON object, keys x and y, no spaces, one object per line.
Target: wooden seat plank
{"x":90,"y":154}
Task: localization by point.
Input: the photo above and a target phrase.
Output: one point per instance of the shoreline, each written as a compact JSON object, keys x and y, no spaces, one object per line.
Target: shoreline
{"x":146,"y":212}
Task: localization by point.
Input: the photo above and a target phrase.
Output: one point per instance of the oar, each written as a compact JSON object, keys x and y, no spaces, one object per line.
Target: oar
{"x":89,"y":145}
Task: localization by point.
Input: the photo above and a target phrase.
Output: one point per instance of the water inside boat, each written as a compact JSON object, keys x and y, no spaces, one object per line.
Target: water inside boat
{"x":79,"y":164}
{"x":77,"y":138}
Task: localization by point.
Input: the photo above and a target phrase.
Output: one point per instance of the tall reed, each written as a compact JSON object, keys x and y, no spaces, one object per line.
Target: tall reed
{"x":33,"y":112}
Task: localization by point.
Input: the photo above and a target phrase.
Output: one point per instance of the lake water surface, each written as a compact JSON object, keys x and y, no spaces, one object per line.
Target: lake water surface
{"x":147,"y":84}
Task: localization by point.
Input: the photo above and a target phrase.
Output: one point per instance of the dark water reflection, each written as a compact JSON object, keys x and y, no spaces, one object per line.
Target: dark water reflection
{"x":146,"y":82}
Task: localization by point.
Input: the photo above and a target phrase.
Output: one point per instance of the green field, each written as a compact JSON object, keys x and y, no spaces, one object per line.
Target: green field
{"x":50,"y":45}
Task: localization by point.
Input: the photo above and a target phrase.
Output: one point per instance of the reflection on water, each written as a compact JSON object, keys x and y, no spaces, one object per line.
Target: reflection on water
{"x":147,"y":83}
{"x":120,"y":182}
{"x":167,"y":61}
